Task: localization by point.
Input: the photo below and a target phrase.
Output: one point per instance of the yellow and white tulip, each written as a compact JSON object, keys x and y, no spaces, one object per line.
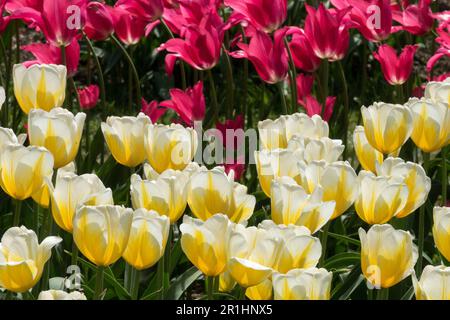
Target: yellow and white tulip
{"x":441,"y":230}
{"x":434,"y":283}
{"x":367,"y":155}
{"x":61,"y":295}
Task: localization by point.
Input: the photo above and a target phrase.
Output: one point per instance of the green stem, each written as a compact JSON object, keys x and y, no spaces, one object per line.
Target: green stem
{"x":160,"y":277}
{"x":213,"y":93}
{"x":323,"y":241}
{"x":444,"y":176}
{"x":99,"y":282}
{"x":36,"y":218}
{"x":209,"y":281}
{"x":101,"y":78}
{"x":346,"y":106}
{"x":127,"y":277}
{"x":325,"y":72}
{"x":74,"y":259}
{"x":18,"y":207}
{"x":426,"y":158}
{"x":293,"y":75}
{"x":230,"y":85}
{"x":282,"y":97}
{"x":400,"y":95}
{"x":135,"y":280}
{"x":383,"y":294}
{"x":133,"y":68}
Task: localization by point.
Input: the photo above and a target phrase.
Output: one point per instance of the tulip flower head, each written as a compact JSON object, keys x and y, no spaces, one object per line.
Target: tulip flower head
{"x":262,"y":291}
{"x":303,"y":284}
{"x":416,"y":19}
{"x":387,"y":255}
{"x":22,"y":258}
{"x":7,"y":136}
{"x":39,"y":86}
{"x":61,"y":295}
{"x":396,"y":69}
{"x":101,"y":232}
{"x":129,"y":27}
{"x":23,"y":169}
{"x":367,"y":155}
{"x":302,"y":52}
{"x":205,"y":242}
{"x":387,"y":126}
{"x":441,"y":227}
{"x":151,"y":110}
{"x":99,"y":24}
{"x":88,"y":96}
{"x":57,"y":130}
{"x":433,"y":283}
{"x":125,"y":138}
{"x":148,"y":239}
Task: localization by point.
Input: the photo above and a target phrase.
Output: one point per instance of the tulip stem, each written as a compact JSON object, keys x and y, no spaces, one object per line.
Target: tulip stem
{"x":426,"y":158}
{"x":133,"y":69}
{"x":293,"y":75}
{"x":283,"y":98}
{"x":36,"y":215}
{"x":101,"y":78}
{"x":323,"y":241}
{"x":99,"y":282}
{"x":18,"y":207}
{"x":346,"y":106}
{"x":325,"y":71}
{"x":209,"y":282}
{"x":74,"y":253}
{"x":160,"y":277}
{"x":400,"y":95}
{"x":135,"y":279}
{"x":213,"y":95}
{"x":383,"y":294}
{"x":230,"y":84}
{"x":444,"y":176}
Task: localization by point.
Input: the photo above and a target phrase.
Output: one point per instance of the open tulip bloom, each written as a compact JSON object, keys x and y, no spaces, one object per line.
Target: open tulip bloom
{"x":224,"y":149}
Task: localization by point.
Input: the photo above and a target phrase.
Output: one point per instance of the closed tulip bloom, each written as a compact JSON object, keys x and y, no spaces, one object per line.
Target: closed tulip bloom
{"x":367,"y":155}
{"x":72,"y":191}
{"x":226,"y":282}
{"x":438,"y":91}
{"x":7,"y":136}
{"x":39,"y":86}
{"x":61,"y":295}
{"x":387,"y":255}
{"x":148,"y":239}
{"x":387,"y":126}
{"x":441,"y":230}
{"x":411,"y":174}
{"x":302,"y":284}
{"x":380,"y":198}
{"x":125,"y":138}
{"x":169,"y":146}
{"x":317,"y":149}
{"x":205,"y":243}
{"x":276,"y":163}
{"x":262,"y":291}
{"x":99,"y":23}
{"x":212,"y":191}
{"x":290,"y":204}
{"x":396,"y":69}
{"x":431,"y":124}
{"x":59,"y":131}
{"x":165,"y":193}
{"x":89,"y":96}
{"x":434,"y":283}
{"x":299,"y":250}
{"x":101,"y":232}
{"x":277,"y":133}
{"x":252,"y":254}
{"x":22,"y":258}
{"x":23,"y":169}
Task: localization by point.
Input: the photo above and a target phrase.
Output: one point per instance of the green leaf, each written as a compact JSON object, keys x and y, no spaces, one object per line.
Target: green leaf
{"x":349,"y":284}
{"x":344,"y":238}
{"x":342,"y":260}
{"x":180,"y":284}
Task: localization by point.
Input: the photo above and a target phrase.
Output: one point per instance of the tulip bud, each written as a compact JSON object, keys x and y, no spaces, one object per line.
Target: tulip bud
{"x":323,"y":148}
{"x":57,"y":130}
{"x":290,"y":204}
{"x":39,"y":86}
{"x":23,"y":169}
{"x":411,"y":174}
{"x":380,"y":198}
{"x":61,"y":295}
{"x":367,"y":155}
{"x":148,"y":239}
{"x":252,"y":254}
{"x":387,"y":126}
{"x":441,"y":230}
{"x":205,"y":242}
{"x":170,"y":147}
{"x":212,"y":191}
{"x":101,"y":232}
{"x":125,"y":138}
{"x":303,"y":284}
{"x":433,"y":283}
{"x":387,"y":255}
{"x":89,"y":96}
{"x":23,"y":258}
{"x":431,"y":124}
{"x":72,"y":191}
{"x":99,"y":22}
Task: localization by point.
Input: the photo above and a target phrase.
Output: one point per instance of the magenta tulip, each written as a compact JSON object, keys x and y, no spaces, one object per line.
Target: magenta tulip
{"x":444,"y":49}
{"x":302,"y":52}
{"x":99,"y":23}
{"x":416,"y":18}
{"x":88,"y":96}
{"x":151,"y":110}
{"x":396,"y":69}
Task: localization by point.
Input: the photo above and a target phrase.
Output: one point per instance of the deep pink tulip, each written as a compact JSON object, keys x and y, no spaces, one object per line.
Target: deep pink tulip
{"x":49,"y":54}
{"x":200,"y":45}
{"x":88,"y":96}
{"x":396,"y":69}
{"x":149,"y":10}
{"x":264,"y":15}
{"x":304,"y":86}
{"x":234,"y":127}
{"x":269,"y":57}
{"x":312,"y":107}
{"x":302,"y":52}
{"x":416,"y":19}
{"x":327,"y":32}
{"x":129,"y":28}
{"x":34,"y":7}
{"x":151,"y":110}
{"x":238,"y":169}
{"x":99,"y":23}
{"x":4,"y":20}
{"x":189,"y":105}
{"x":444,"y":49}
